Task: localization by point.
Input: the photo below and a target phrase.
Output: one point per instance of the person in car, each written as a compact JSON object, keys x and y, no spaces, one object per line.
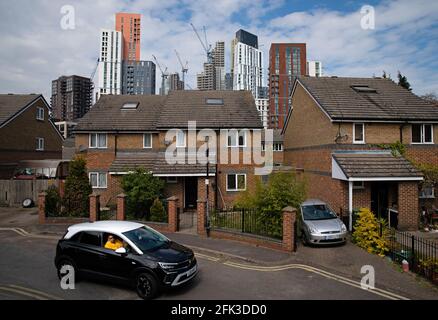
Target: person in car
{"x":113,"y":243}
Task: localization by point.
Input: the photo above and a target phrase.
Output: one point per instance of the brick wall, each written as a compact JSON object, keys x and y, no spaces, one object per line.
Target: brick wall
{"x":408,"y":206}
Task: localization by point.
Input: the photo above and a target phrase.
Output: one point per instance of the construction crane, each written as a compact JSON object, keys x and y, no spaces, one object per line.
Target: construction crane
{"x":164,"y":75}
{"x":207,"y":48}
{"x":95,"y":70}
{"x":184,"y":70}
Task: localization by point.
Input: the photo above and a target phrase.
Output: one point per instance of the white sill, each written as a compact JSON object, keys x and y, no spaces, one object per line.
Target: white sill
{"x":101,"y":188}
{"x":420,"y":143}
{"x":236,"y":190}
{"x":359,"y":142}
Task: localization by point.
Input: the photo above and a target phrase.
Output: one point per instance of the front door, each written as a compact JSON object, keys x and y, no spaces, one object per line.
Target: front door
{"x":379,"y":199}
{"x":190,"y":193}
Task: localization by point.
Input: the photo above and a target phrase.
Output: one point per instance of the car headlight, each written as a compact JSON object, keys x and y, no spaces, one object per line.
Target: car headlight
{"x":343,"y":228}
{"x":313,"y":230}
{"x":167,"y":266}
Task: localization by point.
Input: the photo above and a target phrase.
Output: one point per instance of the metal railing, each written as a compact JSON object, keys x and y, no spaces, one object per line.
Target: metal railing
{"x":247,"y":221}
{"x":420,"y":253}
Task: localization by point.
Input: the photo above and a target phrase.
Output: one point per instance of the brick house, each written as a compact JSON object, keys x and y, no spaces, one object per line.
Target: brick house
{"x":26,"y":132}
{"x":334,"y":135}
{"x":122,"y":133}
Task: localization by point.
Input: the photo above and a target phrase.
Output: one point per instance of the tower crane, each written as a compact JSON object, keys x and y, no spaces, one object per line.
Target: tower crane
{"x":207,"y":48}
{"x":164,"y":75}
{"x":184,"y":70}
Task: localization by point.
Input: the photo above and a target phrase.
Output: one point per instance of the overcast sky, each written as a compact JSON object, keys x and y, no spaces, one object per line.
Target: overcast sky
{"x":35,"y":49}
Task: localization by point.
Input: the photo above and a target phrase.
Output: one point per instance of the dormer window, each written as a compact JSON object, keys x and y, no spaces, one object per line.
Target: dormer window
{"x":363,"y":89}
{"x":215,"y":102}
{"x":130,"y":106}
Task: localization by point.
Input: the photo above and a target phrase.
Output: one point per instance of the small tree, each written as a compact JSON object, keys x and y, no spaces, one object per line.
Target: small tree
{"x":77,"y":189}
{"x":403,"y":82}
{"x":53,"y":201}
{"x":282,"y":190}
{"x":158,"y":213}
{"x":142,"y":188}
{"x":367,"y":233}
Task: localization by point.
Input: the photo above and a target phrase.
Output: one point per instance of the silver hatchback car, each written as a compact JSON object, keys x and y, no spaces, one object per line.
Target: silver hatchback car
{"x":320,"y":225}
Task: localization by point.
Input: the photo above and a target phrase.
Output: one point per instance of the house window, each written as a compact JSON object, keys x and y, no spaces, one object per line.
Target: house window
{"x":236,"y":182}
{"x":172,"y":180}
{"x":278,"y":147}
{"x":147,"y":141}
{"x":39,"y":144}
{"x":358,"y":133}
{"x":181,"y":139}
{"x":358,"y":185}
{"x":98,"y":180}
{"x":236,"y":139}
{"x":40,"y":113}
{"x":422,"y":133}
{"x":98,"y":140}
{"x":427,"y":192}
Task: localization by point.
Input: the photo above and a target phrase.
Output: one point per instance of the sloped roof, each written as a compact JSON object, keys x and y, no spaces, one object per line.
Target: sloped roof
{"x":107,"y":114}
{"x":238,"y":110}
{"x":375,"y":165}
{"x":156,"y":163}
{"x":11,"y":104}
{"x":389,"y":102}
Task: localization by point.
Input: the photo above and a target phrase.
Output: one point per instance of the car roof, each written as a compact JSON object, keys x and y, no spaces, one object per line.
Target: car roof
{"x":106,"y":226}
{"x":313,"y":202}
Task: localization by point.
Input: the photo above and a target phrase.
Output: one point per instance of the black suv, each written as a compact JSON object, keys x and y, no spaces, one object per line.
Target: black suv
{"x":126,"y":252}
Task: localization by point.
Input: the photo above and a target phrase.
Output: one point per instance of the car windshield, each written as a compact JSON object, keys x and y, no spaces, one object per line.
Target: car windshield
{"x":318,"y":212}
{"x":147,"y":239}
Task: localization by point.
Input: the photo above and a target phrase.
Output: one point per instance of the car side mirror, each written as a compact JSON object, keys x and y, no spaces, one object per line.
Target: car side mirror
{"x":121,"y":251}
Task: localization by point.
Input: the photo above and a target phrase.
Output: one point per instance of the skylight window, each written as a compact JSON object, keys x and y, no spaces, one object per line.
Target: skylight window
{"x":130,"y":106}
{"x":215,"y":102}
{"x":363,"y":89}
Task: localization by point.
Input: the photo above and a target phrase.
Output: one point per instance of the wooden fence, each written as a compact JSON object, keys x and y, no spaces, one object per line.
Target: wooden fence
{"x":13,"y":192}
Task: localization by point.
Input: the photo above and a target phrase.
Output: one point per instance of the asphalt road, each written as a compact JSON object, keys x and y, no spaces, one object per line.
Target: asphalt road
{"x":27,"y":272}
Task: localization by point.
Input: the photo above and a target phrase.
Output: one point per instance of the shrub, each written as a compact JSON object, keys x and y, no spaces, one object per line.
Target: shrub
{"x":141,"y":188}
{"x":282,"y":190}
{"x":53,"y":202}
{"x":158,"y":212}
{"x":77,"y":189}
{"x":367,"y":233}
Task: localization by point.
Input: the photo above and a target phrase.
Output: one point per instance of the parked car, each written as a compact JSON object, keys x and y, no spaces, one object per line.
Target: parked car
{"x":320,"y":225}
{"x":126,"y":252}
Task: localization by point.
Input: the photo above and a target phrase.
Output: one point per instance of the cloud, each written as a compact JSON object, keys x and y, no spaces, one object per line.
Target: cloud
{"x":35,"y":50}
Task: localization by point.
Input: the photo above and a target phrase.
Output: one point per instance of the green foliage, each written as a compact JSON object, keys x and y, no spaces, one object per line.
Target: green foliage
{"x":158,"y":212}
{"x":282,"y":190}
{"x":142,"y":188}
{"x":403,"y":82}
{"x":397,"y":149}
{"x":77,"y":189}
{"x":53,"y":202}
{"x":367,"y":233}
{"x":430,"y":173}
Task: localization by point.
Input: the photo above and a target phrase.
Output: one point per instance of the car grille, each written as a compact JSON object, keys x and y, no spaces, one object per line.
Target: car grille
{"x":184,"y":264}
{"x":330,"y":232}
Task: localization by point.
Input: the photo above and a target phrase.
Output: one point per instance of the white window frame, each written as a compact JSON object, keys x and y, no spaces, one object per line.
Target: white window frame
{"x":237,"y":145}
{"x":98,"y":180}
{"x":144,"y":141}
{"x":360,"y":185}
{"x":236,"y":176}
{"x":40,"y":144}
{"x":422,"y":195}
{"x":178,"y":142}
{"x":97,"y":141}
{"x":422,"y":133}
{"x":40,"y":114}
{"x":172,"y":180}
{"x":277,"y":147}
{"x":354,"y":133}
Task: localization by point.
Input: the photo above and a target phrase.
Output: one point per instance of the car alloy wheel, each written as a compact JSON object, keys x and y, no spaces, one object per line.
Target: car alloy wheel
{"x":146,"y":286}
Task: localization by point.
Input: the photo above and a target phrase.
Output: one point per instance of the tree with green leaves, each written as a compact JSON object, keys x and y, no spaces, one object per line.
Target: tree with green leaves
{"x":141,"y":188}
{"x":283,"y":189}
{"x":403,"y":82}
{"x":77,"y":189}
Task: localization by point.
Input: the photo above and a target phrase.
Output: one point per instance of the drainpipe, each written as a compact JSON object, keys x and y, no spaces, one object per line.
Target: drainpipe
{"x":350,"y":204}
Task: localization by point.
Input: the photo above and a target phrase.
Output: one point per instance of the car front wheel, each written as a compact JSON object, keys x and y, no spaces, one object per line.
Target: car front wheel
{"x":146,"y":286}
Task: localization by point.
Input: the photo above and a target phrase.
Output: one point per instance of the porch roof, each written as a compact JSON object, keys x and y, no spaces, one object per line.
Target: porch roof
{"x":156,"y":163}
{"x":373,"y":166}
